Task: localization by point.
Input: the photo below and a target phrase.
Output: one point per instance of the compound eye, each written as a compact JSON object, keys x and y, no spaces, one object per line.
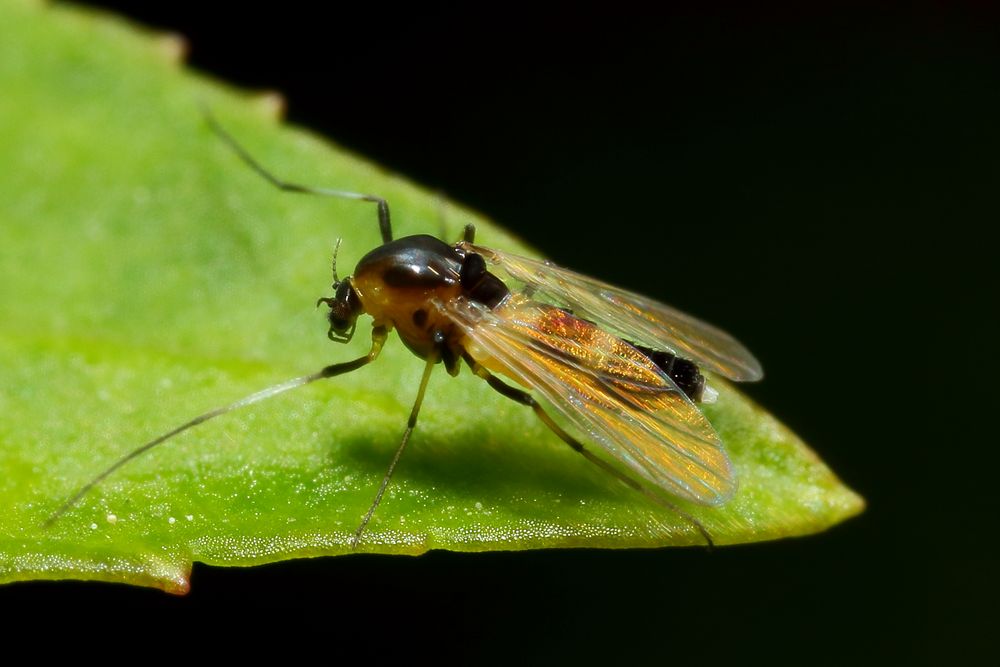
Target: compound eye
{"x":341,"y":322}
{"x":345,"y":306}
{"x":338,"y":324}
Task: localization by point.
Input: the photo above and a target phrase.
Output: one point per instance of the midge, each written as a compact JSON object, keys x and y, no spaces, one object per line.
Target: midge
{"x":621,"y":371}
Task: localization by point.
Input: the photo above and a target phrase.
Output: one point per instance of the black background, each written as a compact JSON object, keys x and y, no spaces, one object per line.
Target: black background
{"x":819,"y":181}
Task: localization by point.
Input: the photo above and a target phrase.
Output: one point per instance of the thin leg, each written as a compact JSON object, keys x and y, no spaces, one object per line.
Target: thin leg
{"x":378,"y":339}
{"x":469,"y":234}
{"x":383,"y":206}
{"x":525,"y":398}
{"x":410,"y":424}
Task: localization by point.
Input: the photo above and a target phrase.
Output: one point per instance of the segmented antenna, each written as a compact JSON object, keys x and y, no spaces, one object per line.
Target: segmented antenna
{"x":336,"y":249}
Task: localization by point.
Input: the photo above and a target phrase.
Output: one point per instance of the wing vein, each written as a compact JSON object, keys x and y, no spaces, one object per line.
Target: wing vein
{"x":604,"y":388}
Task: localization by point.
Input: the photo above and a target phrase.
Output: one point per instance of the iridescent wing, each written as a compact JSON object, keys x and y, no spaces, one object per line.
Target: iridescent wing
{"x":604,"y":388}
{"x":629,"y":316}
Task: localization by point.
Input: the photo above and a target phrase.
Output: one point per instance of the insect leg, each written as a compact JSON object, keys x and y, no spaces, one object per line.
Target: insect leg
{"x":469,"y":233}
{"x":525,"y":398}
{"x":379,"y":335}
{"x":383,"y":206}
{"x":410,"y":424}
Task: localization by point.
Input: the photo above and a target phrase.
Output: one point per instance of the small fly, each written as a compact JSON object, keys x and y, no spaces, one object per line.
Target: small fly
{"x":621,"y":371}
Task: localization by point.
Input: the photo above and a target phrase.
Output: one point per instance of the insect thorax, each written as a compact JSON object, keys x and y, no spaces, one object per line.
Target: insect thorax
{"x":399,"y":282}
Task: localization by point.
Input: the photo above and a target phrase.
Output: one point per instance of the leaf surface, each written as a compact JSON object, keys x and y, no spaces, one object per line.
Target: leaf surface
{"x":147,"y":276}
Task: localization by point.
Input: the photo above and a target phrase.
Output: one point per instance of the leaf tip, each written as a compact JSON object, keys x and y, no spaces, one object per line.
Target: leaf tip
{"x":172,"y":47}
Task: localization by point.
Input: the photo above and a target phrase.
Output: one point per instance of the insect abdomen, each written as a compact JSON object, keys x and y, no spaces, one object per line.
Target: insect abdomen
{"x":684,"y":373}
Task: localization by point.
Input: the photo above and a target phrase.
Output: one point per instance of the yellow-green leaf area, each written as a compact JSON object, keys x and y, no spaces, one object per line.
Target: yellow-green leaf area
{"x":147,"y":276}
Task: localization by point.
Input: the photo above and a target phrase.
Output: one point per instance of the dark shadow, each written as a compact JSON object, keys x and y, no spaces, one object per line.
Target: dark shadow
{"x":465,"y":462}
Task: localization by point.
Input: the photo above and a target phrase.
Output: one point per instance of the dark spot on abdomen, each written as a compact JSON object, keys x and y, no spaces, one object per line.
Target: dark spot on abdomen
{"x":684,"y":373}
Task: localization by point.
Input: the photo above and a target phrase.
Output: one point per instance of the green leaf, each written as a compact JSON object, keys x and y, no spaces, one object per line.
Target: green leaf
{"x":147,"y":276}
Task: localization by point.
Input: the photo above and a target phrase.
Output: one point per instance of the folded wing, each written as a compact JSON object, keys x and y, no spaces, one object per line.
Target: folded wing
{"x":629,"y":316}
{"x":605,"y":388}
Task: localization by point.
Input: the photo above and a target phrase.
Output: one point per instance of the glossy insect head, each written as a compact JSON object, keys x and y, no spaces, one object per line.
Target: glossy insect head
{"x":345,"y":306}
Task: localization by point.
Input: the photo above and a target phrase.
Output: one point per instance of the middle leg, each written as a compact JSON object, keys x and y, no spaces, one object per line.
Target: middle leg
{"x":410,"y":425}
{"x":525,"y":398}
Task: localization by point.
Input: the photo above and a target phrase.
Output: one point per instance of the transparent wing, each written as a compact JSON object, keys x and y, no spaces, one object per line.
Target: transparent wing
{"x":632,"y":317}
{"x":604,"y":388}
